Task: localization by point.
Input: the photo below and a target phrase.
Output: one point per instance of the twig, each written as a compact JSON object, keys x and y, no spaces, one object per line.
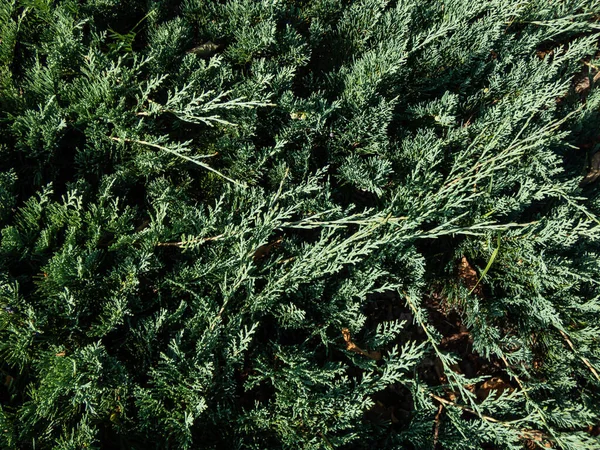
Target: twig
{"x":285,"y":261}
{"x":585,"y":361}
{"x":591,"y":65}
{"x":524,"y":434}
{"x":193,"y":241}
{"x":436,"y":430}
{"x":181,"y":155}
{"x":306,"y":223}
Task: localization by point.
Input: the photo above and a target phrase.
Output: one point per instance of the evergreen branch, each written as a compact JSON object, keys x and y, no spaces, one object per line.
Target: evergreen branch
{"x":186,"y":105}
{"x":478,"y":229}
{"x":447,"y":121}
{"x":279,"y":190}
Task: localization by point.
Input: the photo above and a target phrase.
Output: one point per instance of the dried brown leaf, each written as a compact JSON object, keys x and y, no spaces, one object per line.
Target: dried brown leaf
{"x":594,"y":172}
{"x":582,"y":84}
{"x":265,"y":250}
{"x":494,"y":385}
{"x":352,"y":347}
{"x":206,"y":49}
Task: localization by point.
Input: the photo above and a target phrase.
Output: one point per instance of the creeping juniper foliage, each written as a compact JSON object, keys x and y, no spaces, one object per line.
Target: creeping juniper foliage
{"x":299,"y":224}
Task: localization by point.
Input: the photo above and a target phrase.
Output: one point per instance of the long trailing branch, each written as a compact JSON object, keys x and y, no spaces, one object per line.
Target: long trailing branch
{"x":376,"y":220}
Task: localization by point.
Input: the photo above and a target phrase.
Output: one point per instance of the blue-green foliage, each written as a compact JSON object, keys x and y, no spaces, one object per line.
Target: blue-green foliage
{"x":249,"y":224}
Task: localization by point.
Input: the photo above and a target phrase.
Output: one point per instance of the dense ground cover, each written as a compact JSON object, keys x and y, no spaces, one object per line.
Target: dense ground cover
{"x":299,"y":224}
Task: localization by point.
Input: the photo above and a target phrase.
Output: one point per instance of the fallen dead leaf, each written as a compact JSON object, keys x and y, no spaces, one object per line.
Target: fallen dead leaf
{"x":463,"y":334}
{"x":352,"y":347}
{"x":493,"y":385}
{"x":582,"y":84}
{"x":594,"y":172}
{"x":8,"y":380}
{"x":381,"y":412}
{"x":469,"y":276}
{"x":264,"y":250}
{"x":206,"y":49}
{"x":530,"y":444}
{"x":542,"y":54}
